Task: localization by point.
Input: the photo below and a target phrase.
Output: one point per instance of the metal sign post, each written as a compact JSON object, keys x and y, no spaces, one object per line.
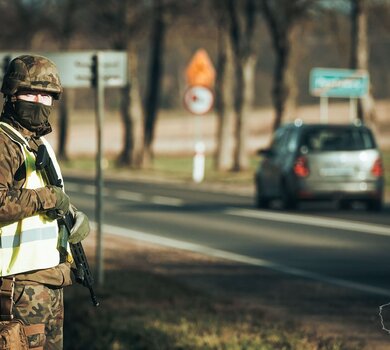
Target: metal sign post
{"x":83,"y":69}
{"x":324,"y":114}
{"x":99,"y":101}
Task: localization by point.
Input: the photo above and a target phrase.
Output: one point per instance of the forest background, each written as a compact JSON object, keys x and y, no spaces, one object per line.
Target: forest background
{"x":262,"y":50}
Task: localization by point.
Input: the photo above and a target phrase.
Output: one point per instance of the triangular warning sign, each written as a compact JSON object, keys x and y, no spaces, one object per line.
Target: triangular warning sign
{"x":200,"y":70}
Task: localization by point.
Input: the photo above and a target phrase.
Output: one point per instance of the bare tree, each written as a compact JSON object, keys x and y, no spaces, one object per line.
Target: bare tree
{"x":235,"y":79}
{"x":154,"y":78}
{"x":359,"y":56}
{"x":163,"y":15}
{"x":26,"y":26}
{"x":64,"y":24}
{"x":121,"y":22}
{"x":223,"y":90}
{"x":127,"y":29}
{"x":281,"y":17}
{"x":242,"y":25}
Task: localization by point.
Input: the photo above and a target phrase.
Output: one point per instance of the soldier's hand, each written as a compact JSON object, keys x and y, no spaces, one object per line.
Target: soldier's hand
{"x":54,"y":214}
{"x":80,"y":229}
{"x":62,"y":205}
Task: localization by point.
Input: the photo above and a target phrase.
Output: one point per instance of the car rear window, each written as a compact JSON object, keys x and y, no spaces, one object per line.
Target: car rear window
{"x":337,"y":139}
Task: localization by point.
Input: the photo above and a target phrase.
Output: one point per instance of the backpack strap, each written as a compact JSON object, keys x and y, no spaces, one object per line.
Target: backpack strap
{"x":7,"y":298}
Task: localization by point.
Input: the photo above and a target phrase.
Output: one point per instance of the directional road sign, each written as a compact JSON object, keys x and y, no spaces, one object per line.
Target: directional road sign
{"x":75,"y":67}
{"x":347,"y":83}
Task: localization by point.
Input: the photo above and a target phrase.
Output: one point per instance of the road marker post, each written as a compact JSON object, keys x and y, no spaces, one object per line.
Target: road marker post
{"x":199,"y":100}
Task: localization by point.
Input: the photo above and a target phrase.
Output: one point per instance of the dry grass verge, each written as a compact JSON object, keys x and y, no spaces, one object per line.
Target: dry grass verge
{"x":166,"y":299}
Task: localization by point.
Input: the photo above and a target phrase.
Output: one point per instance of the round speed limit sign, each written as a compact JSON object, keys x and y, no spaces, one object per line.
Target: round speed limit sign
{"x":198,"y":99}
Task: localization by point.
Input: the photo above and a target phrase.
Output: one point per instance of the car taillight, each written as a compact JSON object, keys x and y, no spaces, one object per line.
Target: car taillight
{"x":301,"y":167}
{"x":377,"y":168}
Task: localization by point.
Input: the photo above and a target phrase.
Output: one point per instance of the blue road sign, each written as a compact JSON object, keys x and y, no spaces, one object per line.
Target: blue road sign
{"x":347,"y":83}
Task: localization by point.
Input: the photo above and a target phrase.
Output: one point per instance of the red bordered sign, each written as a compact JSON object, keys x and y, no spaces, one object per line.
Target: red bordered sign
{"x":198,"y":100}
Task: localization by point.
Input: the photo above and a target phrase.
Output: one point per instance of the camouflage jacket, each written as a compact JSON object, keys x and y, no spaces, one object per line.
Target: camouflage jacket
{"x":17,"y":203}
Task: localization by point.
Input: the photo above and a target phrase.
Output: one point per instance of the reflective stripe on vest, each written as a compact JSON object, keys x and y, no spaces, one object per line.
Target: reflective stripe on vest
{"x":31,"y":243}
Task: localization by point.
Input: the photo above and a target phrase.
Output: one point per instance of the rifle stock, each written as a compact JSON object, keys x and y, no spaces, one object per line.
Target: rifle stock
{"x":83,"y":273}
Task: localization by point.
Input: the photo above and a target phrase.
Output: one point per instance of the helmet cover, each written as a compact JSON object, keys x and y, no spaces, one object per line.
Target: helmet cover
{"x":32,"y":73}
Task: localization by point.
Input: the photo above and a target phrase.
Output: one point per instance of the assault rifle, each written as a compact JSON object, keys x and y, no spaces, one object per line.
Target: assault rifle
{"x":83,"y":273}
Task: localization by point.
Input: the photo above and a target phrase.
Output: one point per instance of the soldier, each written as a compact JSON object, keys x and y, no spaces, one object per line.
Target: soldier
{"x":32,"y":253}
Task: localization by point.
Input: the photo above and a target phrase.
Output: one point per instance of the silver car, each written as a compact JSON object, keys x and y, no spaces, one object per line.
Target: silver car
{"x":321,"y":162}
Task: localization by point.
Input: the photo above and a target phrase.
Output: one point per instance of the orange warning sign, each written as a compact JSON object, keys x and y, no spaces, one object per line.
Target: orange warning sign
{"x":200,"y":70}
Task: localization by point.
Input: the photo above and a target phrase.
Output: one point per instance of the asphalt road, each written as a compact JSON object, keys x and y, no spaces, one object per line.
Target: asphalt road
{"x":346,"y":248}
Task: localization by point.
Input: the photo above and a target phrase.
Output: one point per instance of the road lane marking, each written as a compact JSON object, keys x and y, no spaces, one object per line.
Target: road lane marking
{"x":175,"y":202}
{"x":89,"y":189}
{"x":312,"y":221}
{"x":221,"y":254}
{"x":129,"y":196}
{"x":72,"y":187}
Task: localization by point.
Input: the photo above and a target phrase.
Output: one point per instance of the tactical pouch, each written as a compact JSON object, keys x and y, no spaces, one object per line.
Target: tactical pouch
{"x":14,"y":334}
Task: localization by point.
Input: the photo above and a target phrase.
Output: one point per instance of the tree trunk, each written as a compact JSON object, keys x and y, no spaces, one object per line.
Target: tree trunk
{"x":241,"y":34}
{"x":131,"y":113}
{"x":66,"y":109}
{"x":223,"y":106}
{"x":280,"y":88}
{"x":127,"y":147}
{"x":241,"y":159}
{"x":136,"y":111}
{"x":360,"y":56}
{"x":239,"y":130}
{"x":293,"y":60}
{"x":154,"y":78}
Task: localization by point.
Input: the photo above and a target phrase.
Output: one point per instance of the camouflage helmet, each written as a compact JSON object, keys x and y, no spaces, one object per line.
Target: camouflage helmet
{"x":31,"y":73}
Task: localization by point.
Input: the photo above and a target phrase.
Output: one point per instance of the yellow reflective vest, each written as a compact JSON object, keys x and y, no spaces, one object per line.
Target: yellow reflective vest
{"x":29,"y":244}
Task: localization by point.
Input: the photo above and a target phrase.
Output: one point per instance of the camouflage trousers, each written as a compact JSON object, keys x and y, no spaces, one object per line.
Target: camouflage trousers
{"x":37,"y":303}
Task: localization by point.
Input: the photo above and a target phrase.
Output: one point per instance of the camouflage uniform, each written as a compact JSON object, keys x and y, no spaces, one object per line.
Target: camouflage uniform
{"x":18,"y":203}
{"x":36,"y":303}
{"x":38,"y":294}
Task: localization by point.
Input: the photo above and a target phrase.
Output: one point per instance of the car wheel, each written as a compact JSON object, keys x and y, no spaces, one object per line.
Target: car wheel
{"x":261,"y":201}
{"x":374,"y":204}
{"x":344,"y":204}
{"x":289,"y":201}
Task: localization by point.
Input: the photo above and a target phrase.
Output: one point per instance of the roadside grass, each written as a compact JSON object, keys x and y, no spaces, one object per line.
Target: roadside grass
{"x":180,"y":169}
{"x":142,"y":309}
{"x":167,"y":168}
{"x":386,"y":163}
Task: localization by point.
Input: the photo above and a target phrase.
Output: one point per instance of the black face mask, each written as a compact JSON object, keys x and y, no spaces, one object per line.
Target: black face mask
{"x":33,"y":116}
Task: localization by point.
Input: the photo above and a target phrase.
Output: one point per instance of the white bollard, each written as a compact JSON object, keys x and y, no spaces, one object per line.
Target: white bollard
{"x":199,"y":162}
